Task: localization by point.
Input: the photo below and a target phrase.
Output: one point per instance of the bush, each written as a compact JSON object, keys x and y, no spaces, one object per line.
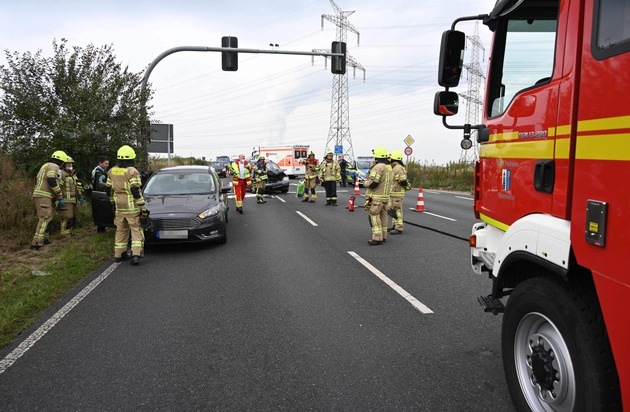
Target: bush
{"x":17,"y":213}
{"x":456,"y":176}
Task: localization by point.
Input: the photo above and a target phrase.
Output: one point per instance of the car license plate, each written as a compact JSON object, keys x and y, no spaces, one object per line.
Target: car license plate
{"x":172,"y":234}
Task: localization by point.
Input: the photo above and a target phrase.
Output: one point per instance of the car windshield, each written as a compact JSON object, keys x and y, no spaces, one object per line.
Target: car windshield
{"x":178,"y":183}
{"x":273,"y":167}
{"x":364,"y":164}
{"x":217,"y":165}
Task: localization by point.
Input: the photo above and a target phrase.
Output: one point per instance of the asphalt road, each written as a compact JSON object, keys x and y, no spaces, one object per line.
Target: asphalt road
{"x":295,"y":313}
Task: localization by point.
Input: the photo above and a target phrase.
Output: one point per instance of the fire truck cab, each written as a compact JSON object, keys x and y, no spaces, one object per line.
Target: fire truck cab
{"x":554,"y":142}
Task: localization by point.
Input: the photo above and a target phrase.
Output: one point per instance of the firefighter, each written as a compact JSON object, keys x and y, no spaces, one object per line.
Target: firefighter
{"x":329,"y":175}
{"x":400,"y":184}
{"x":378,"y":186}
{"x":240,"y":169}
{"x":124,"y":188}
{"x":311,"y":179}
{"x":260,"y":178}
{"x":70,"y":189}
{"x":46,"y":189}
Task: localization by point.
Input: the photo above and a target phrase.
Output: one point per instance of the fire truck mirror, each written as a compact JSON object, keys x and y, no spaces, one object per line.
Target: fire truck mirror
{"x":451,"y":58}
{"x":483,"y":134}
{"x":445,"y":103}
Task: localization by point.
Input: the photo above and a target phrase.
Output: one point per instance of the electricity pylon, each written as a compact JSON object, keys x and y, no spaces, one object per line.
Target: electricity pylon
{"x":473,"y":96}
{"x":339,"y":133}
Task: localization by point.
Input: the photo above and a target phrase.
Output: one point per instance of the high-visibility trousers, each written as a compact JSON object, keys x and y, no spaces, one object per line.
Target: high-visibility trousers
{"x":378,"y":219}
{"x":44,"y":212}
{"x":128,"y":224}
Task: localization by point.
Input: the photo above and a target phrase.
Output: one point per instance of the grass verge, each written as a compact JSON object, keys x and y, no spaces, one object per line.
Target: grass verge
{"x":31,"y":281}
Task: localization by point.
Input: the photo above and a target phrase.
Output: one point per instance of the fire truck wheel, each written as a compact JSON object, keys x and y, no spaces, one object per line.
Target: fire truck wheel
{"x":556,"y":354}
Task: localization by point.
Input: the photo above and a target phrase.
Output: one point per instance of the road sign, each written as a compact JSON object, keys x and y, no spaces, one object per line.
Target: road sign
{"x":408,"y":140}
{"x":338,"y":149}
{"x":161,"y":138}
{"x":408,"y":151}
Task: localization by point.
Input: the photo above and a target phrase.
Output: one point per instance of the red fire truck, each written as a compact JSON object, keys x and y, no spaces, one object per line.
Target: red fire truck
{"x":552,"y":193}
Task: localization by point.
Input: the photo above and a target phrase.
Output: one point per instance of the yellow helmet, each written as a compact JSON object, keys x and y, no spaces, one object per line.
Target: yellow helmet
{"x":70,"y":160}
{"x":329,"y":153}
{"x":396,"y":155}
{"x":60,"y":155}
{"x":126,"y":153}
{"x":261,"y":157}
{"x":380,"y":153}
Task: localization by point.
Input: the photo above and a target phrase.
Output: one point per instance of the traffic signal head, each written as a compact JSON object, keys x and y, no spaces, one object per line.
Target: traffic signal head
{"x":229,"y":60}
{"x":338,"y":63}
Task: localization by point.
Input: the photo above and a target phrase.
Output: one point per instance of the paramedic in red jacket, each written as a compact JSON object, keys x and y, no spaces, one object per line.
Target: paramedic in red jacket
{"x":240,"y":170}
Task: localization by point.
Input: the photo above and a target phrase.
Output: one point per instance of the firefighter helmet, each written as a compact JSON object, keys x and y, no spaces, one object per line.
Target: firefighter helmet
{"x":329,"y":153}
{"x":70,"y":160}
{"x":396,"y":155}
{"x":380,"y":153}
{"x":261,"y":157}
{"x":126,"y":153}
{"x":60,"y":155}
{"x":311,"y":153}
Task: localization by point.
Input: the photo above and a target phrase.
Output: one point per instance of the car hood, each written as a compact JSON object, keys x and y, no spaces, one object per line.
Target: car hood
{"x":180,"y":204}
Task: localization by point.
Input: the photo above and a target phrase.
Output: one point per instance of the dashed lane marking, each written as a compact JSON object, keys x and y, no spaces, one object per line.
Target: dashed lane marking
{"x":433,"y":214}
{"x":402,"y":292}
{"x":306,"y":218}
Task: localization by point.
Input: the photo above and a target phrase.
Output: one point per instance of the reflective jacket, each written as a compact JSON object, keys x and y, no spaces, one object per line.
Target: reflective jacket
{"x":260,"y":171}
{"x":68,"y":186}
{"x":399,"y":183}
{"x":121,"y":181}
{"x":48,"y":171}
{"x":312,"y":168}
{"x":382,"y":174}
{"x":235,"y":170}
{"x":329,"y":171}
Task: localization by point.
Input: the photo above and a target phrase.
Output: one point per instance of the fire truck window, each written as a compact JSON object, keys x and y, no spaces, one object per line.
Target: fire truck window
{"x":616,"y":29}
{"x":528,"y":56}
{"x":612,"y":28}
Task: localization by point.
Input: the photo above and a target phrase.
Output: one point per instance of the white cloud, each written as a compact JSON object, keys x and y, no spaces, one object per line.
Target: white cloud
{"x":271,"y":98}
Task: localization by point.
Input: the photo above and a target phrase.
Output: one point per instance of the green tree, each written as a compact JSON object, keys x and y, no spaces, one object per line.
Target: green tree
{"x":80,"y":100}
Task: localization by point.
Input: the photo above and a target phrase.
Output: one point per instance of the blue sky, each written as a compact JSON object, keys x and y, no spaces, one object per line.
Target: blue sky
{"x":271,"y":99}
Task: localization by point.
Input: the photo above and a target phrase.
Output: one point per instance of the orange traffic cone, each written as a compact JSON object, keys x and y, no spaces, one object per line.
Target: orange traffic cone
{"x":357,"y":190}
{"x":420,"y":203}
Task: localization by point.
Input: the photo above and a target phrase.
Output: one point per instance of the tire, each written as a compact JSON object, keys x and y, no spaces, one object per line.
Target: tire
{"x":284,"y":190}
{"x":556,"y":353}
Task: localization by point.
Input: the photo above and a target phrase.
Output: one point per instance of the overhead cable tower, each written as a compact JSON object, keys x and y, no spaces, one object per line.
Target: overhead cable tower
{"x":474,"y":94}
{"x":339,"y":133}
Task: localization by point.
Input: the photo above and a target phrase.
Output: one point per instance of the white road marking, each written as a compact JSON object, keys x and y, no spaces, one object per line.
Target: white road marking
{"x":402,"y":292}
{"x":48,"y":325}
{"x":464,"y":197}
{"x":306,"y":218}
{"x":279,"y":198}
{"x":433,"y":214}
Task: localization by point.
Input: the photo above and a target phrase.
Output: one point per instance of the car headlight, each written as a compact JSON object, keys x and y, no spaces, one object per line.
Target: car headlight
{"x":285,"y":179}
{"x":213,"y":211}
